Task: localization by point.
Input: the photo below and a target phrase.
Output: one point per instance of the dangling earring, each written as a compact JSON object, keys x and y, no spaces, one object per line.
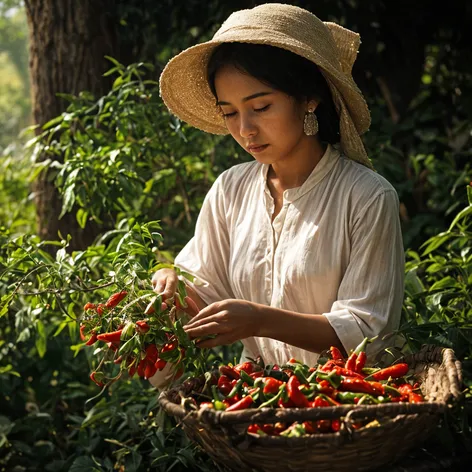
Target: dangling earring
{"x":310,"y":123}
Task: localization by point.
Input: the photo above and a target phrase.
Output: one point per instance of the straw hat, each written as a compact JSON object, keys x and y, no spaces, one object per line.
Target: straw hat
{"x":185,"y":90}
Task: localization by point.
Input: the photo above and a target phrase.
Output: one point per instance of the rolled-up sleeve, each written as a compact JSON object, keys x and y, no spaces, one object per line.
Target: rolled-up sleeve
{"x":370,"y":295}
{"x":206,"y":256}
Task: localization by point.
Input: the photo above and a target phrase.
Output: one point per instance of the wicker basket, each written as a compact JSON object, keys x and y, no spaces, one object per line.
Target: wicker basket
{"x":402,"y":426}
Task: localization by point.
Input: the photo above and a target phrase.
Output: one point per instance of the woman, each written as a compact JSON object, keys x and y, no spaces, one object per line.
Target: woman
{"x":301,"y":248}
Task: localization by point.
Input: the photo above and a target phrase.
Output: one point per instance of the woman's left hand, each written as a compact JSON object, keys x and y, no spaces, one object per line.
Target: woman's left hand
{"x":229,"y":320}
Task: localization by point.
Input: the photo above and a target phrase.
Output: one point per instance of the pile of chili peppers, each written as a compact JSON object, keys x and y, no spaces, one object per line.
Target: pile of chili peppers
{"x":136,"y":342}
{"x":338,"y":381}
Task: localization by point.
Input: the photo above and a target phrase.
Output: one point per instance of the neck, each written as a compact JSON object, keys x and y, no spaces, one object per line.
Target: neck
{"x":291,"y":173}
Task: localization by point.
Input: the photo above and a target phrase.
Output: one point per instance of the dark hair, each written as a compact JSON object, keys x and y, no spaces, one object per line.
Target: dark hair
{"x":283,"y":71}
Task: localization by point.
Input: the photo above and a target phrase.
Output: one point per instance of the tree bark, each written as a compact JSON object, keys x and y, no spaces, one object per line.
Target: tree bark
{"x":68,"y":40}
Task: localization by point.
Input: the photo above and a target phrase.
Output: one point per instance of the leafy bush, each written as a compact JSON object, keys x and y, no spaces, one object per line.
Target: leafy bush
{"x":125,"y":156}
{"x":438,"y":310}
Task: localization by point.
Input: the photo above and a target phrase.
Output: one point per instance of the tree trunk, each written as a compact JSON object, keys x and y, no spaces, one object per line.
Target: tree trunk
{"x":68,"y":42}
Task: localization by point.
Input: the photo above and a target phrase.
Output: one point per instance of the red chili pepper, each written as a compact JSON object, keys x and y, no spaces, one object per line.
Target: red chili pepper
{"x":169,"y":346}
{"x":285,"y":404}
{"x":271,"y":385}
{"x":294,"y":393}
{"x":325,"y":387}
{"x":336,"y":353}
{"x":253,"y":428}
{"x":310,"y":427}
{"x":336,"y":425}
{"x":275,"y":367}
{"x":149,"y":370}
{"x":351,"y":361}
{"x":228,"y":371}
{"x":97,"y":381}
{"x":112,"y":337}
{"x":224,"y":385}
{"x":115,"y":299}
{"x":265,"y":428}
{"x":394,"y":371}
{"x":160,"y":364}
{"x":248,"y":367}
{"x":142,"y":327}
{"x":242,"y":404}
{"x":256,"y":375}
{"x":142,"y":367}
{"x":90,"y":306}
{"x":319,"y":402}
{"x":405,"y":388}
{"x":330,"y":365}
{"x":82,"y":332}
{"x":414,"y":397}
{"x":360,"y":362}
{"x":347,"y":372}
{"x":152,"y":353}
{"x":101,"y":309}
{"x":93,"y":339}
{"x":361,"y":386}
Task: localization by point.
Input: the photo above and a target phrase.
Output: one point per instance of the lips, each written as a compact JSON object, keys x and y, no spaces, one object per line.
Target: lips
{"x":257,"y":148}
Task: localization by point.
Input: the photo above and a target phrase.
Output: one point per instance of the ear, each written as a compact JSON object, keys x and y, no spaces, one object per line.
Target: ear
{"x":311,"y":105}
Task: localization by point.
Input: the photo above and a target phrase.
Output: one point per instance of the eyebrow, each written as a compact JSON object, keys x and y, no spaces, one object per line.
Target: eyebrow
{"x":245,"y":99}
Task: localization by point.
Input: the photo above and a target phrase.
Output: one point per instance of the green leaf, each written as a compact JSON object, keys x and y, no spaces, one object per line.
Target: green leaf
{"x":447,"y":282}
{"x":68,"y":200}
{"x":462,"y":214}
{"x":436,"y":241}
{"x":41,"y":339}
{"x":82,"y":216}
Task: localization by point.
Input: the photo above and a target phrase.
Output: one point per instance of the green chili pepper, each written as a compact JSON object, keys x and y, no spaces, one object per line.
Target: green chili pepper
{"x":348,"y":397}
{"x":246,"y":378}
{"x":299,"y":371}
{"x":392,"y":390}
{"x":274,"y":399}
{"x":332,"y":377}
{"x":294,"y":431}
{"x":236,"y":389}
{"x":219,"y":405}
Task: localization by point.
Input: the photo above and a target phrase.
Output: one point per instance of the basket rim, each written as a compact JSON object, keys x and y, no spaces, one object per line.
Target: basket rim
{"x":429,"y":354}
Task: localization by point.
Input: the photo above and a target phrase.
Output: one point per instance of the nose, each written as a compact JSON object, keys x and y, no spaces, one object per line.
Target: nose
{"x":247,"y":127}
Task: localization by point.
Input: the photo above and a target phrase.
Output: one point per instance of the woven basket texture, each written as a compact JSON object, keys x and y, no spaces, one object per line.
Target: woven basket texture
{"x":402,"y":426}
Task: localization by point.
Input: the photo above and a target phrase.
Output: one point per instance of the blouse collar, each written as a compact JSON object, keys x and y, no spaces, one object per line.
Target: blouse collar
{"x":326,"y":163}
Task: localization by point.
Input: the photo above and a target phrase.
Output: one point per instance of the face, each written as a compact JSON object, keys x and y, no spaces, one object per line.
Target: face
{"x":267,"y":123}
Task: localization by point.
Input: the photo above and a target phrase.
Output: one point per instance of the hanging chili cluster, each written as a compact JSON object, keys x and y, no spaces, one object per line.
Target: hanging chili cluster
{"x":138,"y":343}
{"x":338,"y":381}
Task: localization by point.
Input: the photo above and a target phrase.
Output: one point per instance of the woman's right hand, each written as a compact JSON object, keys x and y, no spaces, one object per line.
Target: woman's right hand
{"x":165,"y":282}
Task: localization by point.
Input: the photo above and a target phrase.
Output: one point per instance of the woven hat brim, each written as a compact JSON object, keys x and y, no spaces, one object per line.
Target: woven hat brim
{"x":185,"y":90}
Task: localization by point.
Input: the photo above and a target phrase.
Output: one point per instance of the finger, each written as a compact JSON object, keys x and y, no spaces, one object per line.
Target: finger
{"x":197,"y":321}
{"x":191,"y":309}
{"x":169,"y":290}
{"x":205,"y":313}
{"x":205,"y":330}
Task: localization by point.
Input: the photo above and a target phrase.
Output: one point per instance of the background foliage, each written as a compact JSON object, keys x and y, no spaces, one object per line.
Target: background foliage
{"x":122,"y":163}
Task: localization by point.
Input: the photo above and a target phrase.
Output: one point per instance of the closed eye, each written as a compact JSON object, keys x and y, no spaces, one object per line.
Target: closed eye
{"x":262,"y":109}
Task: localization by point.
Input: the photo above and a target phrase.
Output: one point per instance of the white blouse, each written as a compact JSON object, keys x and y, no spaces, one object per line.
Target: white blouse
{"x":334,"y":249}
